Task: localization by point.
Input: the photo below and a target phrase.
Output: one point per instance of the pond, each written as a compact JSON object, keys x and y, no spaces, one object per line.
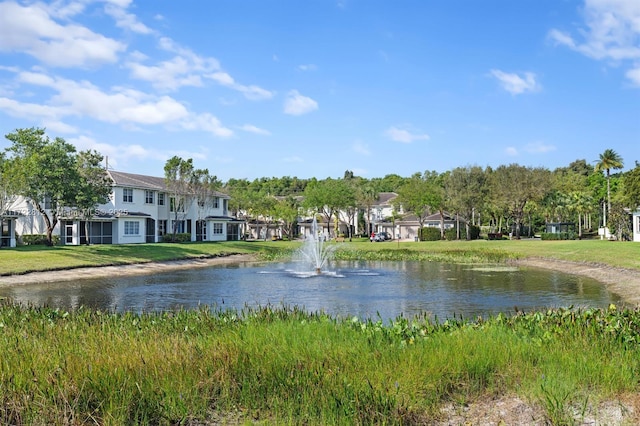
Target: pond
{"x":365,"y":289}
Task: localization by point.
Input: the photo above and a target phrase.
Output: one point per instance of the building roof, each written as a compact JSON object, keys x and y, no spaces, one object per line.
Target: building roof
{"x":136,"y":181}
{"x":132,"y":180}
{"x":384,"y":198}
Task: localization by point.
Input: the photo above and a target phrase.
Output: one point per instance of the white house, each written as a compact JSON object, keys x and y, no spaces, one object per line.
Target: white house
{"x":139,"y":210}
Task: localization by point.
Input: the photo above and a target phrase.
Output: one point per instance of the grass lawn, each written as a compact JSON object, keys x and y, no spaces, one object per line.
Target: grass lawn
{"x":39,"y":258}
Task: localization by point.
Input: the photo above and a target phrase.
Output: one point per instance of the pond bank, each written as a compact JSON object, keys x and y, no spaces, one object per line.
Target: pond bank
{"x":623,"y":282}
{"x":146,"y":268}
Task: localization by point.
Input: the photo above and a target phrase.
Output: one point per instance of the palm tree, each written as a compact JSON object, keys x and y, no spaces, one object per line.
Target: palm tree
{"x":609,"y":159}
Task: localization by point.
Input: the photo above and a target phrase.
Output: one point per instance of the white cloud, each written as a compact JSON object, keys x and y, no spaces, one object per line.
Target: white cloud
{"x":360,"y":147}
{"x":253,"y":129}
{"x":208,"y":123}
{"x":516,"y":84}
{"x":122,"y":106}
{"x":119,"y":154}
{"x":297,"y":104}
{"x":511,"y":151}
{"x":307,"y":67}
{"x":405,"y":135}
{"x":126,"y":20}
{"x":253,"y":93}
{"x":539,"y":148}
{"x":167,"y":75}
{"x":59,"y":127}
{"x":611,"y":31}
{"x":634,"y":76}
{"x":30,"y":110}
{"x":31,"y":29}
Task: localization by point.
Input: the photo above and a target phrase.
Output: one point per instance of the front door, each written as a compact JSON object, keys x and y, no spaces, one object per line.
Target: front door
{"x":201,"y":230}
{"x":68,"y":233}
{"x":150,"y":231}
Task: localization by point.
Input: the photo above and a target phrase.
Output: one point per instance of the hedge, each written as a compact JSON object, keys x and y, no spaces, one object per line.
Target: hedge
{"x":38,"y":239}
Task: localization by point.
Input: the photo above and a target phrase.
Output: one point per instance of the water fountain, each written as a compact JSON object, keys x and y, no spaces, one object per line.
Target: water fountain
{"x":314,"y":251}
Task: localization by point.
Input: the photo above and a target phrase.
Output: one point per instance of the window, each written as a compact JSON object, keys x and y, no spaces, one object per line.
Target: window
{"x":127,"y":195}
{"x":217,"y":228}
{"x":215,"y":203}
{"x":180,"y":227}
{"x":46,"y":202}
{"x":179,"y":204}
{"x":161,"y":198}
{"x":162,"y":225}
{"x":131,"y":228}
{"x":148,"y":197}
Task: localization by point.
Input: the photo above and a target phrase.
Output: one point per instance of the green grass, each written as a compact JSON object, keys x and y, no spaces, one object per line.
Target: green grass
{"x":39,"y":258}
{"x":285,"y":366}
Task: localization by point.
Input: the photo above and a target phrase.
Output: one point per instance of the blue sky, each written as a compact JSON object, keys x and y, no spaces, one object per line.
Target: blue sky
{"x":271,"y":88}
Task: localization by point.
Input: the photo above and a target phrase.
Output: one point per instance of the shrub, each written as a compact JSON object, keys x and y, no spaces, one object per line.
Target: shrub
{"x":39,"y":240}
{"x":474,"y":231}
{"x":178,"y":238}
{"x":451,"y":234}
{"x":429,"y":234}
{"x":550,"y":236}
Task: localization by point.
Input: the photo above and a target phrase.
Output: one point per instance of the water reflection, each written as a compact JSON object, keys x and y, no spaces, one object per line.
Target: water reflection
{"x":364,"y":289}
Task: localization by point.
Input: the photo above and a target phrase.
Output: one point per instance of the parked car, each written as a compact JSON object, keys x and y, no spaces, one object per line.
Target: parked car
{"x":380,"y":236}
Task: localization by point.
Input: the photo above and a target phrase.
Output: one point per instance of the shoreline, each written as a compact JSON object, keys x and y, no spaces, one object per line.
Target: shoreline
{"x":132,"y":269}
{"x":623,"y":282}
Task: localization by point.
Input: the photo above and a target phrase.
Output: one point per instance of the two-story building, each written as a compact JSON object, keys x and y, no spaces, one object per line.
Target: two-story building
{"x":140,"y":210}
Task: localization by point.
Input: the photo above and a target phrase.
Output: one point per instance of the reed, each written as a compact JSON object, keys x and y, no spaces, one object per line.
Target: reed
{"x":280,"y":365}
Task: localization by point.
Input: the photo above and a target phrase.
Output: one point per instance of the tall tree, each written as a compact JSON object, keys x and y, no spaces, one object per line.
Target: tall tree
{"x":631,"y":187}
{"x":366,"y":196}
{"x":286,"y":210}
{"x":609,"y":159}
{"x":178,"y":177}
{"x":7,"y":193}
{"x":93,"y":187}
{"x":466,"y":189}
{"x":45,"y":172}
{"x":203,"y":186}
{"x":417,"y":196}
{"x":513,"y":186}
{"x":328,"y":197}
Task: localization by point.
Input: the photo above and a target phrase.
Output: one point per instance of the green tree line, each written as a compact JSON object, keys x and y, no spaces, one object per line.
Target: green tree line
{"x":508,"y":198}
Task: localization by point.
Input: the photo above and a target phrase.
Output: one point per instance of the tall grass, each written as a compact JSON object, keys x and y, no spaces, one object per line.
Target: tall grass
{"x":282,"y":365}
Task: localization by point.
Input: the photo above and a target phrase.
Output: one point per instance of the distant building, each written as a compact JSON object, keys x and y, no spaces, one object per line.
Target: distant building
{"x":139,"y":210}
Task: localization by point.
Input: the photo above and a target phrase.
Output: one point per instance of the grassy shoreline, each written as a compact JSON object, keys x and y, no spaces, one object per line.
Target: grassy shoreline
{"x":280,"y":365}
{"x":285,"y":366}
{"x":38,"y":258}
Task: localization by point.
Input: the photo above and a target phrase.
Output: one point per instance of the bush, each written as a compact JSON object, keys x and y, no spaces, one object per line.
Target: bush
{"x":451,"y":234}
{"x":39,"y":240}
{"x":474,"y":231}
{"x":178,"y":238}
{"x":550,"y":236}
{"x":430,"y":234}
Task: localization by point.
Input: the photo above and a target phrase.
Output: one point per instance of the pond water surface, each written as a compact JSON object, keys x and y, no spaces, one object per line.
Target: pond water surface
{"x":364,"y":289}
